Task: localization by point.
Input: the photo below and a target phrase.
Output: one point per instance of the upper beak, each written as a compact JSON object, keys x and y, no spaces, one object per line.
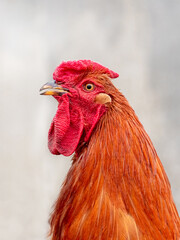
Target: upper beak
{"x":52,"y":88}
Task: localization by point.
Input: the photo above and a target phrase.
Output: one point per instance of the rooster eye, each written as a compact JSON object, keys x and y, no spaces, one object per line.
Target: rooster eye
{"x":89,"y":87}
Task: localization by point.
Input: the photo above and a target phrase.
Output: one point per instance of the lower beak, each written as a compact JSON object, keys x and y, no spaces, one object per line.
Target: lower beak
{"x":52,"y":88}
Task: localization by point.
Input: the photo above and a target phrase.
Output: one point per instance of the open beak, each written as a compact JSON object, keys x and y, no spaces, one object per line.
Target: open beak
{"x":52,"y":88}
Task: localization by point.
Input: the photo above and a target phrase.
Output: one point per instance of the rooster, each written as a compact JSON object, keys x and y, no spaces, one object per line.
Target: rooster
{"x":116,"y":188}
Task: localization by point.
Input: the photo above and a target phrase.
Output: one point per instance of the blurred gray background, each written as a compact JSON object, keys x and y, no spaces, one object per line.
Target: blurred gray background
{"x":138,"y":39}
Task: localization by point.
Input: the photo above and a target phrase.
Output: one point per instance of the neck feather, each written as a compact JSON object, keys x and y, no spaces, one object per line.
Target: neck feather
{"x":120,"y":168}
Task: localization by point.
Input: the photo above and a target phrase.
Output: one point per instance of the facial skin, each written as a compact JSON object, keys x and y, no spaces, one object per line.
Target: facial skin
{"x":80,"y":108}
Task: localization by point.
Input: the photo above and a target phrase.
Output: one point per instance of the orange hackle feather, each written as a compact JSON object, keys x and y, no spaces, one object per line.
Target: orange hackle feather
{"x":116,"y":188}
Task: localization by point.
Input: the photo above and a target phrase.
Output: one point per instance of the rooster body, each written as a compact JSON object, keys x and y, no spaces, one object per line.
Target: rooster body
{"x":116,"y":188}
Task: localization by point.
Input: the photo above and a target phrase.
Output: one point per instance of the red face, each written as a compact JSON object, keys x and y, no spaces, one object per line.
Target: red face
{"x":76,"y":116}
{"x":81,"y":105}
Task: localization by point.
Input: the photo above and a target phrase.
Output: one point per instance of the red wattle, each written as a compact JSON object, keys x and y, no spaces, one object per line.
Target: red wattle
{"x":70,"y":121}
{"x":66,"y":129}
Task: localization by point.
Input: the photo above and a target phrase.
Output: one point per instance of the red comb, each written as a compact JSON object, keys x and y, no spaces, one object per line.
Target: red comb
{"x":70,"y":68}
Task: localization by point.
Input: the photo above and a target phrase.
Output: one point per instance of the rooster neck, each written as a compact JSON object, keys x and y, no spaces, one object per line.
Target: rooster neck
{"x":116,"y":178}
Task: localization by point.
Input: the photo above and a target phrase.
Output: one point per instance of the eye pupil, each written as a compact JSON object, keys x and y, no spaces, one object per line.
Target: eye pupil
{"x":89,"y":86}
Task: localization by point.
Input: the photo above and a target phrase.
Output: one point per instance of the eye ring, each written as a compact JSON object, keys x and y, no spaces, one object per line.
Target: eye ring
{"x":89,"y":87}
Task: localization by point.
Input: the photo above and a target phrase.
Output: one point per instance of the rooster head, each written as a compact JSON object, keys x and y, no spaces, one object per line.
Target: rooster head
{"x":82,"y":89}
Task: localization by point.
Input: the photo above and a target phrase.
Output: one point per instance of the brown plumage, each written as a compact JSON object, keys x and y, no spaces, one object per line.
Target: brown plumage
{"x":116,"y":188}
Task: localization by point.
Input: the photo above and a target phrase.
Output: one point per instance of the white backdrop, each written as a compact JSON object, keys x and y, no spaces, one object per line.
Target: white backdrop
{"x":138,"y":39}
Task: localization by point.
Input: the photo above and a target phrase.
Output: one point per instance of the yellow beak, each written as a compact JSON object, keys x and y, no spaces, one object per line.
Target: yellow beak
{"x":52,"y":88}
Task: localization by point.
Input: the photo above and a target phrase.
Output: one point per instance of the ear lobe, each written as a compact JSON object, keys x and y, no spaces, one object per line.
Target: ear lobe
{"x":102,"y":98}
